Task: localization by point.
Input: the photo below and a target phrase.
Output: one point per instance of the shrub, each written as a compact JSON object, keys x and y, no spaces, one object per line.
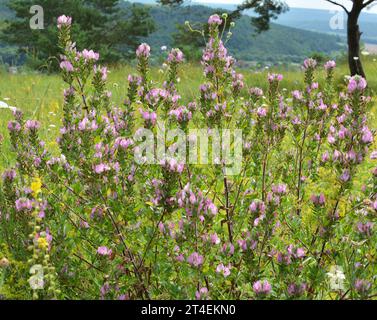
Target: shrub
{"x":96,"y":221}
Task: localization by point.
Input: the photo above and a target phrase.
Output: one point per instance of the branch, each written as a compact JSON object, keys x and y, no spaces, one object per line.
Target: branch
{"x":368,"y":3}
{"x":339,"y":4}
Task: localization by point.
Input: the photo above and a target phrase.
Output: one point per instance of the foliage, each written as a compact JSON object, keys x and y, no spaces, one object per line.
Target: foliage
{"x":101,"y":24}
{"x":265,"y":10}
{"x":104,"y":224}
{"x":279,"y":44}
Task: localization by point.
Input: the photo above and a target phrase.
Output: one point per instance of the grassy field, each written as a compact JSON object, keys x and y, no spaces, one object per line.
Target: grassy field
{"x":39,"y":96}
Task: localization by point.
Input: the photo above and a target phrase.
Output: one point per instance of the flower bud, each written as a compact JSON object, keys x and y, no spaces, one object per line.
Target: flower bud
{"x":4,"y":262}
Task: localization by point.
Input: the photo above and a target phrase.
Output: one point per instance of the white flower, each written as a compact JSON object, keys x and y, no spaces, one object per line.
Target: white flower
{"x":355,"y":58}
{"x":365,"y":53}
{"x":164,"y":48}
{"x":336,"y":277}
{"x":3,"y":105}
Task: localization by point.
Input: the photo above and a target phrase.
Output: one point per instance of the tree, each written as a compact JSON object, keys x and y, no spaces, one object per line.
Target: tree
{"x":266,"y":10}
{"x":98,"y":24}
{"x":192,"y":43}
{"x":354,"y":33}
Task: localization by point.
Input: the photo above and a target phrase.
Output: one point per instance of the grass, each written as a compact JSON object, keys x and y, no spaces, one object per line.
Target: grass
{"x":40,"y":97}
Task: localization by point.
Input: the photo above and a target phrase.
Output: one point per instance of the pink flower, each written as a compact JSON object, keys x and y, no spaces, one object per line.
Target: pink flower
{"x":242,"y":244}
{"x":32,"y":125}
{"x":297,"y":95}
{"x":89,"y":55}
{"x":104,"y":251}
{"x":261,"y":112}
{"x":9,"y":175}
{"x":318,"y":200}
{"x":215,"y":239}
{"x":195,"y":259}
{"x":175,"y":56}
{"x":330,"y":65}
{"x":123,"y":143}
{"x":362,"y":84}
{"x":24,"y":204}
{"x":150,"y":118}
{"x":143,"y":50}
{"x":262,"y":287}
{"x":64,"y":21}
{"x":367,"y":136}
{"x":296,"y":289}
{"x":212,"y":208}
{"x":345,"y":175}
{"x":66,"y":66}
{"x":325,"y":157}
{"x":279,"y":189}
{"x":101,"y":168}
{"x":365,"y":228}
{"x":331,"y":139}
{"x":253,"y":207}
{"x":14,"y":126}
{"x":310,"y":64}
{"x":300,"y":253}
{"x":356,"y":83}
{"x":202,"y":293}
{"x":103,"y":72}
{"x":225,"y":270}
{"x":362,"y":286}
{"x":215,"y":20}
{"x":274,"y":77}
{"x":256,"y":92}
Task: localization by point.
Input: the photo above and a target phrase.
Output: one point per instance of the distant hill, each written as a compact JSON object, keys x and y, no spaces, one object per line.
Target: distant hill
{"x":7,"y":54}
{"x":319,"y":20}
{"x":311,"y":20}
{"x":280,"y":44}
{"x":5,"y":12}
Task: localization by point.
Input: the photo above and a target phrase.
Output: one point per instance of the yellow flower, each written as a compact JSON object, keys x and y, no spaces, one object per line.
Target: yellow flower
{"x":42,"y":243}
{"x":36,"y":186}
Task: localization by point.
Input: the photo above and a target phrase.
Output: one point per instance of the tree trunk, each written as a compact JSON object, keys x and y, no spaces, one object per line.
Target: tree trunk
{"x":354,"y":36}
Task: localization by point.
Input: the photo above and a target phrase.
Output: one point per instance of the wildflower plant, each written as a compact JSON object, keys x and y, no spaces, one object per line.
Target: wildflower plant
{"x":95,"y":221}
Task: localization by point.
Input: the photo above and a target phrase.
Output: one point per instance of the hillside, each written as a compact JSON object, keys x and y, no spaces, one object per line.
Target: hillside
{"x":318,"y":20}
{"x":5,"y":12}
{"x":311,"y":20}
{"x":280,"y":44}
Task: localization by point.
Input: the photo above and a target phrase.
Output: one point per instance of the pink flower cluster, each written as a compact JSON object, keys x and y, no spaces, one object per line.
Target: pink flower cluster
{"x":356,"y":83}
{"x":64,"y":21}
{"x":143,"y":50}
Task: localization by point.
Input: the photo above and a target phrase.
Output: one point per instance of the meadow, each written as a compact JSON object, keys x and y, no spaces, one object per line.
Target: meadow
{"x":83,"y":218}
{"x":39,"y":95}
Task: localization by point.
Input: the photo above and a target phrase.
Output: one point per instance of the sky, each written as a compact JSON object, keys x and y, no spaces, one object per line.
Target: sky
{"x":317,"y":4}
